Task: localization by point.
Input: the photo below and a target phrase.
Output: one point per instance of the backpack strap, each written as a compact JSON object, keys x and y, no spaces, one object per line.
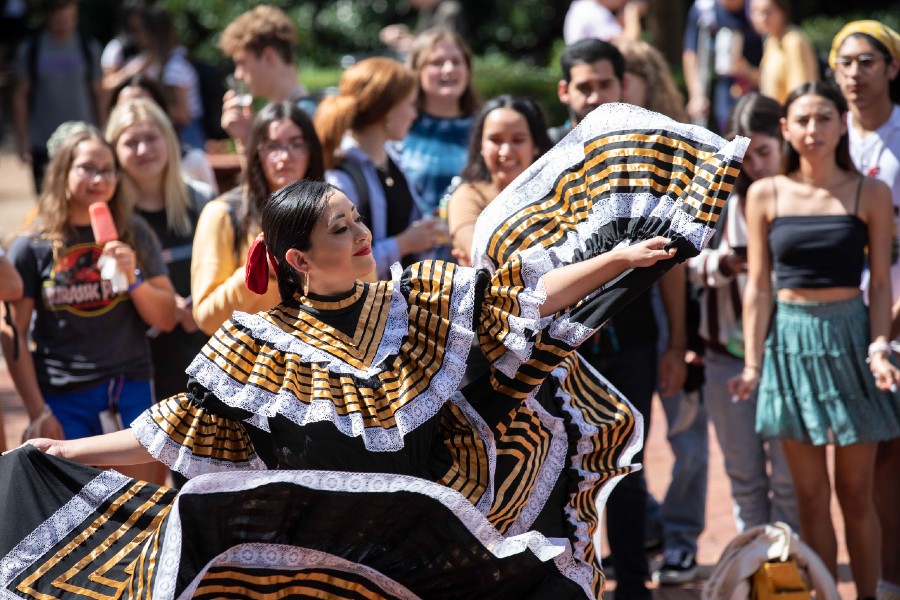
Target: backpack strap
{"x":358,"y":178}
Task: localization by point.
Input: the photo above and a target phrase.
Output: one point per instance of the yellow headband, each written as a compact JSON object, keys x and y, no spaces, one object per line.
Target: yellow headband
{"x":886,"y":36}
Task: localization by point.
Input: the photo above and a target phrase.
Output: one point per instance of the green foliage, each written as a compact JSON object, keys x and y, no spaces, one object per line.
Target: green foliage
{"x":821,"y":29}
{"x":494,"y":75}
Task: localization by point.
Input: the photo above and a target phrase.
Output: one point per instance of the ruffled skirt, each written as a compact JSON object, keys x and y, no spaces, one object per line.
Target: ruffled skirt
{"x":815,"y":386}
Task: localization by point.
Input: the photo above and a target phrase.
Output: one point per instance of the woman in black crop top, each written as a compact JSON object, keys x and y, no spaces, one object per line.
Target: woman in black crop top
{"x":812,"y":226}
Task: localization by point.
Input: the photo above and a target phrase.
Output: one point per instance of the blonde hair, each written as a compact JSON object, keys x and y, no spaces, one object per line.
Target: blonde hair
{"x":645,"y":61}
{"x":368,"y":90}
{"x":422,"y":45}
{"x":51,"y":220}
{"x":175,"y":192}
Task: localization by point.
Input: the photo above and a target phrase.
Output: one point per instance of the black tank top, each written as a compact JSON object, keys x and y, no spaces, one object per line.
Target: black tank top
{"x":818,"y":251}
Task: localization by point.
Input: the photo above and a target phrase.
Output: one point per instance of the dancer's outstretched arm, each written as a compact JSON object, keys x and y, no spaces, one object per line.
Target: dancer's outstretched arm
{"x":568,"y":284}
{"x":118,"y":448}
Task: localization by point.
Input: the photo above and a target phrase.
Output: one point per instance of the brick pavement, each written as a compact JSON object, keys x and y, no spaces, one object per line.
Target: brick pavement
{"x":16,"y":199}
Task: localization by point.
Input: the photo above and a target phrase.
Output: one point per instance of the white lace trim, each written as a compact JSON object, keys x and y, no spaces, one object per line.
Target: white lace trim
{"x":418,"y":410}
{"x":284,"y":557}
{"x":181,"y":458}
{"x":487,"y":437}
{"x":538,"y":180}
{"x":49,"y":533}
{"x":519,"y":338}
{"x":395,"y":329}
{"x":549,"y":473}
{"x":588,"y":479}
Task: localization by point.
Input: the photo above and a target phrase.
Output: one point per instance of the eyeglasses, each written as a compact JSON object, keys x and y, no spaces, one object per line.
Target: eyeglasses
{"x":89,"y":173}
{"x":865,"y":61}
{"x":297,"y":148}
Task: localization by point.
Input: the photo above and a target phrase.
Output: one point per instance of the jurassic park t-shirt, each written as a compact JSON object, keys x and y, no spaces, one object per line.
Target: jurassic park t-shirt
{"x":82,"y":332}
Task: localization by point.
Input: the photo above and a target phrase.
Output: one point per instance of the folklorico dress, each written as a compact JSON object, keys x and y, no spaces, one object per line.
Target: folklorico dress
{"x":332,"y":448}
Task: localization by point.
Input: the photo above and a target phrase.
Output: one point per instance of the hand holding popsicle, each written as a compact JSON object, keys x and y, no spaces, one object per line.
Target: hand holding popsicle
{"x":117,"y":258}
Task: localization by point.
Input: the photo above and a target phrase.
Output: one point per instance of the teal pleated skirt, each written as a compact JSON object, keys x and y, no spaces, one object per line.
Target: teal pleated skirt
{"x":816,"y":386}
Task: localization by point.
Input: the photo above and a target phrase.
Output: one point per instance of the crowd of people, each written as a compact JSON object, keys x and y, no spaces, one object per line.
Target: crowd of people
{"x":266,"y":327}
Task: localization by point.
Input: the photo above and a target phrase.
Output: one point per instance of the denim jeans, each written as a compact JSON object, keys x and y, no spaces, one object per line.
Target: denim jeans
{"x":758,"y":497}
{"x":681,"y":516}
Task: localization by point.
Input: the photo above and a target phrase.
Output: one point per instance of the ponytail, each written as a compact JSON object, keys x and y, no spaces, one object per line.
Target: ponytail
{"x":334,"y":116}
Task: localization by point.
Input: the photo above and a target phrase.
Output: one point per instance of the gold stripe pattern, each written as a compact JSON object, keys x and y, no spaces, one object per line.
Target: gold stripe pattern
{"x":205,"y":434}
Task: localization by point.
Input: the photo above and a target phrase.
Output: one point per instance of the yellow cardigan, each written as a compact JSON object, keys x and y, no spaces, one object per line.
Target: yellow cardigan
{"x":217,"y":275}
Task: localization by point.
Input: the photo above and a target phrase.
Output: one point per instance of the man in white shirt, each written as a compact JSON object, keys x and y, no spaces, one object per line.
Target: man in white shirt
{"x":865,"y":56}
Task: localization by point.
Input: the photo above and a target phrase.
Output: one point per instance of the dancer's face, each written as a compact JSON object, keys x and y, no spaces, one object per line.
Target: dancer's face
{"x":340,"y":249}
{"x":507,"y":146}
{"x":589,"y":86}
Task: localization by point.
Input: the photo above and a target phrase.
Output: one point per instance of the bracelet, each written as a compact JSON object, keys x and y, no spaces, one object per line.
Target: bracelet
{"x":754,"y":367}
{"x":138,"y":280}
{"x":879,"y":347}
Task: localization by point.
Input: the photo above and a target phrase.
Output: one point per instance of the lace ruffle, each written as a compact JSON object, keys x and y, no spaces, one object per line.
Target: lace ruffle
{"x":396,"y":328}
{"x":584,"y":446}
{"x":416,"y":411}
{"x":549,"y":473}
{"x":181,"y":458}
{"x":538,"y":179}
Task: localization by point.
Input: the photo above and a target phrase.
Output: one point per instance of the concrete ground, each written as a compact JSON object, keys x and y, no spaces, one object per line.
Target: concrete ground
{"x":17,"y":198}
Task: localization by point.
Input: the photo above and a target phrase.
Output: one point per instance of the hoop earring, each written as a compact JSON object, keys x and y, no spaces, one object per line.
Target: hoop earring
{"x":306,"y":285}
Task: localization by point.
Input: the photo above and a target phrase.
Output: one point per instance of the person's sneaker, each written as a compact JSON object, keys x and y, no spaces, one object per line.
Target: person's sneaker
{"x":679,"y":566}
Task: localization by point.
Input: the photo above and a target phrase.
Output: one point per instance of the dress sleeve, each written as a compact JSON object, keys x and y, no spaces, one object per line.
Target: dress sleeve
{"x":193,"y":433}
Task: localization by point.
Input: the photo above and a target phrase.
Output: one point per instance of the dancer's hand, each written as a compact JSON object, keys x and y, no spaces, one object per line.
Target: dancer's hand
{"x":887,"y":376}
{"x":741,"y":386}
{"x":51,"y":447}
{"x":648,"y":252}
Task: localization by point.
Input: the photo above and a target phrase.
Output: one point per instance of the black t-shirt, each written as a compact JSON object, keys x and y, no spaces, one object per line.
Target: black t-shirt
{"x":173,"y":351}
{"x":83,"y":333}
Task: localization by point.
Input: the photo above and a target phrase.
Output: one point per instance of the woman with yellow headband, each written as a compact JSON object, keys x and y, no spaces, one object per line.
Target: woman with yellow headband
{"x":865,"y":57}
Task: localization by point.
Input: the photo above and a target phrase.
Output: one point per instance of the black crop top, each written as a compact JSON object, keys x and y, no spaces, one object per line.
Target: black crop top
{"x":818,"y":251}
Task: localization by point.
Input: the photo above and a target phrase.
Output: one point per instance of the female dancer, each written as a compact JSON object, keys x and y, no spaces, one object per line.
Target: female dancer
{"x":814,"y":389}
{"x":282,"y":148}
{"x":352,"y":390}
{"x":759,"y":497}
{"x":508,"y":135}
{"x":434,"y":149}
{"x":376,"y":105}
{"x":91,"y":354}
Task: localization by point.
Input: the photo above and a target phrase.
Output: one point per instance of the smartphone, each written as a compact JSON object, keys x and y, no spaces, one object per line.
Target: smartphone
{"x":740,"y":251}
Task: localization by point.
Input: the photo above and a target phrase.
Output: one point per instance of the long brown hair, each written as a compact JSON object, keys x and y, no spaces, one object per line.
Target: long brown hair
{"x":368,"y":91}
{"x":422,"y":46}
{"x":256,"y":187}
{"x":754,"y":114}
{"x":790,"y":158}
{"x":52,"y":221}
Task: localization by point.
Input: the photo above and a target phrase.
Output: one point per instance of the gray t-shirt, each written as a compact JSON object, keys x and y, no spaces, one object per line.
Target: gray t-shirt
{"x":60,"y":90}
{"x":83,"y":333}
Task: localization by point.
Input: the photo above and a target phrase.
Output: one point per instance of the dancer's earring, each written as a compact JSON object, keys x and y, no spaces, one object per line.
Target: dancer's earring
{"x":306,"y":285}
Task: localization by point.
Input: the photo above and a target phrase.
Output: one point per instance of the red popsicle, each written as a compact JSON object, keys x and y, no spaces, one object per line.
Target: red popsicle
{"x":102,"y":223}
